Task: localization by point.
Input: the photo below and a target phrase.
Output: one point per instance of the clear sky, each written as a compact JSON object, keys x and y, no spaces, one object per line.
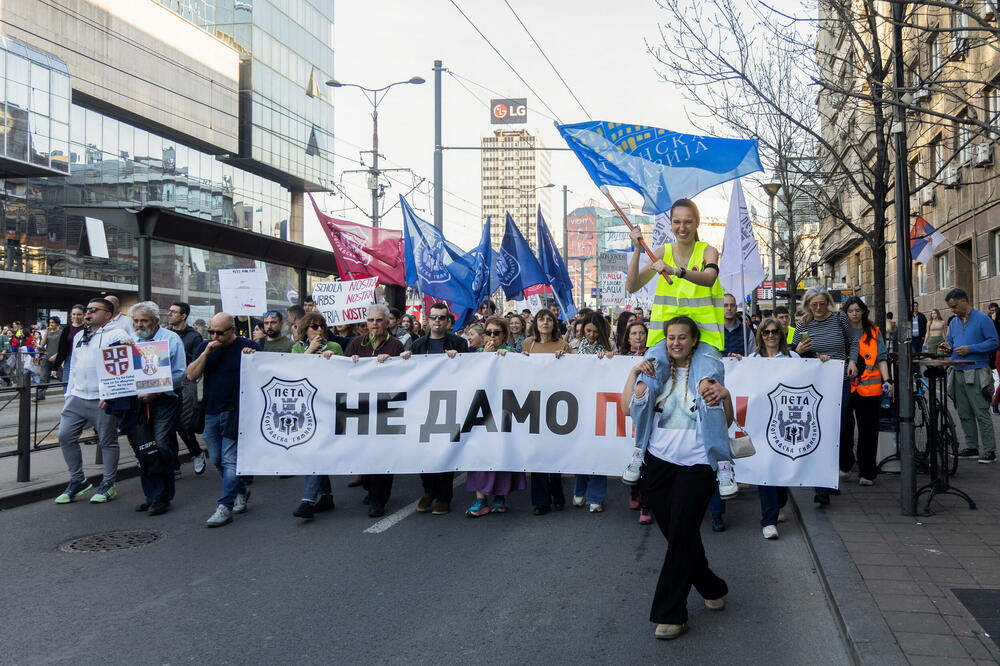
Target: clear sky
{"x":599,"y":47}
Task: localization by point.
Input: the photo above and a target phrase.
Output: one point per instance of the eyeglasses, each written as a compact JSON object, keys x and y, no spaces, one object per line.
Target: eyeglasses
{"x":376,"y":321}
{"x":319,"y":326}
{"x":93,"y":310}
{"x":219,"y":332}
{"x":494,"y":333}
{"x":437,"y":317}
{"x":771,"y":331}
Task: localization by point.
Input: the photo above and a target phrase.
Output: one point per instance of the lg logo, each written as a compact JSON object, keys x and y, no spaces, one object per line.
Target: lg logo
{"x":507,"y":111}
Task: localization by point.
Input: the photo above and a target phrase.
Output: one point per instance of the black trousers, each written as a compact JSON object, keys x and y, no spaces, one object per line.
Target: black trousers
{"x":439,"y":485}
{"x":547,"y":489}
{"x":865,"y":410}
{"x":379,"y":487}
{"x":678,"y":496}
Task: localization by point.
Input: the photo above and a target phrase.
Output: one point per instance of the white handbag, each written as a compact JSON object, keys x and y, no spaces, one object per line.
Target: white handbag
{"x":741,"y":447}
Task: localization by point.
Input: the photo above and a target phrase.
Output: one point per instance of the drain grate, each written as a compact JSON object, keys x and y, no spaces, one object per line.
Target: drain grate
{"x":104,"y":542}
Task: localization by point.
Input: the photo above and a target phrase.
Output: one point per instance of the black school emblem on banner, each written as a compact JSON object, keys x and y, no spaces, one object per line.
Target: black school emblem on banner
{"x":794,"y":429}
{"x":288,"y":419}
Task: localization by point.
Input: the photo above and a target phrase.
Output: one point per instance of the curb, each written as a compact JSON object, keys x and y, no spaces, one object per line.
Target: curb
{"x":49,"y":490}
{"x":859,"y":619}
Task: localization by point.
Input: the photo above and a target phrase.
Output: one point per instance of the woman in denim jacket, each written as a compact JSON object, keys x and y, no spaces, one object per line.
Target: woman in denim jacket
{"x":683,"y":431}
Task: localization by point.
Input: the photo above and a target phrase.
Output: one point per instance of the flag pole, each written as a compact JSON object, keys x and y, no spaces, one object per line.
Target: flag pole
{"x":642,"y":242}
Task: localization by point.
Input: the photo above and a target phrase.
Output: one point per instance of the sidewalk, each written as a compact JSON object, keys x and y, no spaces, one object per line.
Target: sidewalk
{"x":917,"y":590}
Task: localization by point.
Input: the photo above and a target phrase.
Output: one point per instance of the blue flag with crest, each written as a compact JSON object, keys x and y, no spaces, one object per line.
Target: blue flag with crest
{"x":484,"y":281}
{"x":515,"y":265}
{"x":438,"y":268}
{"x":554,"y":269}
{"x":661,"y":165}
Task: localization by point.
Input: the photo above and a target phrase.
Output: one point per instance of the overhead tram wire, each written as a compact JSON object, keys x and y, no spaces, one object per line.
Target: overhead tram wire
{"x":506,"y":62}
{"x":540,"y":50}
{"x":491,"y":91}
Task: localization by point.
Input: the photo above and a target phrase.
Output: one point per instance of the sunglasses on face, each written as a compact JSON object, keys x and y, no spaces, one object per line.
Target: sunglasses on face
{"x":93,"y":310}
{"x":494,"y":333}
{"x":271,"y":313}
{"x":319,"y":326}
{"x":219,"y":332}
{"x":437,"y":317}
{"x":771,"y":331}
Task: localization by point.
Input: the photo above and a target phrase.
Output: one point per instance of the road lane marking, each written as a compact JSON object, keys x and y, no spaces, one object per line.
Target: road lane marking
{"x":405,"y":512}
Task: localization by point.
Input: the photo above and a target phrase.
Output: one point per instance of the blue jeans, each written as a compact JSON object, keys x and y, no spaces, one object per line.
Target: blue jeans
{"x":716,"y":505}
{"x":317,"y":485}
{"x":772,"y":500}
{"x":222,"y":451}
{"x":592,"y":486}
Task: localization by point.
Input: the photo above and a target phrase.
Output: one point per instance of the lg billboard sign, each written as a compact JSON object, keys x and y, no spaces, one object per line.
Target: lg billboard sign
{"x":509,"y":111}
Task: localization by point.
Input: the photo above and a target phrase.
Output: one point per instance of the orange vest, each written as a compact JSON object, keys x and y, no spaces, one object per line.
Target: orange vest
{"x":870,"y":382}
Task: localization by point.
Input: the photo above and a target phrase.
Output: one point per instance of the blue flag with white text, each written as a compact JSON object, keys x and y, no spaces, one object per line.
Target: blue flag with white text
{"x":515,"y":264}
{"x":661,"y":165}
{"x":554,"y":269}
{"x":435,"y":266}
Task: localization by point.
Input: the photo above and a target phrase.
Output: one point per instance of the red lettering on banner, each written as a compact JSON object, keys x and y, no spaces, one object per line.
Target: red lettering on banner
{"x":603,"y":399}
{"x":741,"y":413}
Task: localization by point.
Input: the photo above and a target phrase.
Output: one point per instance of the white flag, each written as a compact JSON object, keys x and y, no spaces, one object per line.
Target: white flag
{"x":740,"y":267}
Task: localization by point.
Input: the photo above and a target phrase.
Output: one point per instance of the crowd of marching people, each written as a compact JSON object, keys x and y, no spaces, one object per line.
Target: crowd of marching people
{"x":675,"y":393}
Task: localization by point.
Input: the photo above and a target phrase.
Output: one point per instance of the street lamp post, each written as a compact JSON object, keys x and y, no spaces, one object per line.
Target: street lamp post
{"x":376,"y":96}
{"x":772,"y":189}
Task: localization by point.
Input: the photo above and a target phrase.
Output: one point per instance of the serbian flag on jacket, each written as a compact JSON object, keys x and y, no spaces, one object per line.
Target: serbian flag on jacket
{"x":923,"y":240}
{"x":362,"y":251}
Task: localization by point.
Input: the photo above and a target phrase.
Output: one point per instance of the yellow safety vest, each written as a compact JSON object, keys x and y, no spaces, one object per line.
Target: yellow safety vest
{"x":683,"y":297}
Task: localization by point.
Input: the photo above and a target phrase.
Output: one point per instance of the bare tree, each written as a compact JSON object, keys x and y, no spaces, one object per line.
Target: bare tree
{"x":819,"y":86}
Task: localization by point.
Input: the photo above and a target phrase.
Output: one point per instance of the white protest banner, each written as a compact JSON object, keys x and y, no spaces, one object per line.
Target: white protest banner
{"x":614,"y":261}
{"x":152,"y":371}
{"x":301,"y":415}
{"x":244,"y":290}
{"x":344,"y":302}
{"x":790,"y":407}
{"x":115,"y":378}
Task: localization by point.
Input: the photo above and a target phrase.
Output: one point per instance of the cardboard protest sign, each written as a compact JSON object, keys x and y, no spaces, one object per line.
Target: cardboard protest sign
{"x":115,"y":377}
{"x":243,"y":290}
{"x":152,"y":367}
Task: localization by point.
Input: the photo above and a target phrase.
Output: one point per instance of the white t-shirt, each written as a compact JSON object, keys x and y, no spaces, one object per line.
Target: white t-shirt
{"x":674,"y":437}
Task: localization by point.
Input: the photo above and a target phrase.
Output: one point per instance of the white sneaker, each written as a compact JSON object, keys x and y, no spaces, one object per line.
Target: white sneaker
{"x":240,"y":505}
{"x":727,"y":482}
{"x":781,"y":516}
{"x":222,"y":516}
{"x":630,"y":476}
{"x":862,"y":481}
{"x":579,"y":501}
{"x":199,"y":463}
{"x":844,"y":475}
{"x":770,"y":532}
{"x":596,"y":508}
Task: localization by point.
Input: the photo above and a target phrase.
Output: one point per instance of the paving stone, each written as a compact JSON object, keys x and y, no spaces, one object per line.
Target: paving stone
{"x":944,"y":606}
{"x":895,"y":587}
{"x":952,"y":577}
{"x":931,"y":589}
{"x":870,"y":547}
{"x":876,"y":572}
{"x":887,"y":559}
{"x":924,"y":623}
{"x":974,"y":646}
{"x":913,"y":603}
{"x":930,"y":645}
{"x":959,"y":625}
{"x":986,"y":578}
{"x":939,"y":661}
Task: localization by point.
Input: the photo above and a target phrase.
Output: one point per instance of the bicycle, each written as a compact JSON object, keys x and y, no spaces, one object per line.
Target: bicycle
{"x":947,"y":439}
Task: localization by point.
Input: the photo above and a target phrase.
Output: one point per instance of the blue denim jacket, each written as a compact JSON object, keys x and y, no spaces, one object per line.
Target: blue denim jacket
{"x":711,"y":431}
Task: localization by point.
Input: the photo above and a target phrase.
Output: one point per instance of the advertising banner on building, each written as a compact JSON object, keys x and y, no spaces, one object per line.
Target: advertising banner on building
{"x":509,"y":111}
{"x":303,"y":414}
{"x":344,"y":302}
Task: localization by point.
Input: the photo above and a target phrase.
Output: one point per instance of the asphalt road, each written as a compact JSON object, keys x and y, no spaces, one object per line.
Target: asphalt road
{"x":566,"y":588}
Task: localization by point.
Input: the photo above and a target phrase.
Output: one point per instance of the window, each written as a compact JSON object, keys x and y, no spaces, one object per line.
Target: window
{"x":963,"y":140}
{"x":996,"y":252}
{"x":941,"y":267}
{"x":934,"y":56}
{"x":993,"y":107}
{"x":920,"y":278}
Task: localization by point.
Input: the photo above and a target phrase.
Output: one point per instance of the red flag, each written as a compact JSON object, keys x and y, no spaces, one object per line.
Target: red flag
{"x":364,"y":251}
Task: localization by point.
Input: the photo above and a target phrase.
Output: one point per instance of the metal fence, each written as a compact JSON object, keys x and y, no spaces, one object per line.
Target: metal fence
{"x":24,"y":429}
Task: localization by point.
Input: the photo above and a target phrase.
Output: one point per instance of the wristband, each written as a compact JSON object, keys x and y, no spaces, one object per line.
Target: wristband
{"x":682,"y":273}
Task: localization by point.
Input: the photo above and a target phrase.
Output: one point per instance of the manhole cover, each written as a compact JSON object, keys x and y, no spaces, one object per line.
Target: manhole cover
{"x":107,"y":541}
